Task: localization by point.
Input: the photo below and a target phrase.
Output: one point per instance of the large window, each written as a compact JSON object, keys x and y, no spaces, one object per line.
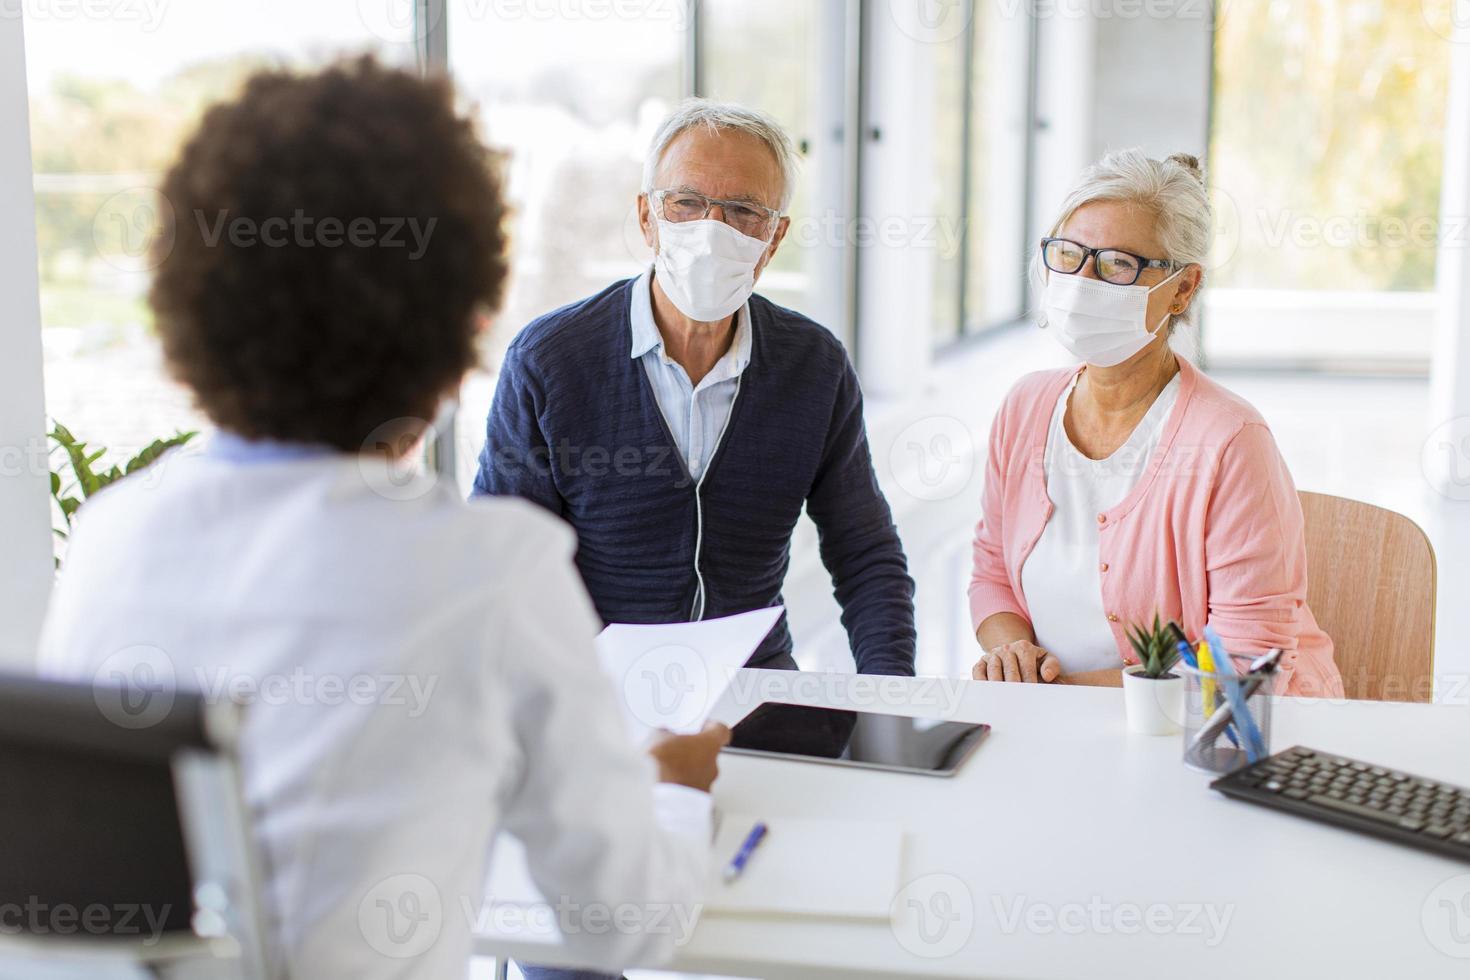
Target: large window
{"x":769,"y":54}
{"x":997,"y":247}
{"x":111,"y":97}
{"x":1329,"y":214}
{"x":948,"y":66}
{"x":572,"y":95}
{"x":981,"y":124}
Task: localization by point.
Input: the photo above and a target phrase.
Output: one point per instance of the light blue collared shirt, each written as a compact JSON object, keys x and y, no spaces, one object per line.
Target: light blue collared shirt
{"x":233,"y":448}
{"x":696,"y":414}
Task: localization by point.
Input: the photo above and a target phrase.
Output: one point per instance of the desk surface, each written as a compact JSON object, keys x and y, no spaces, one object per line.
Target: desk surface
{"x":1069,"y":847}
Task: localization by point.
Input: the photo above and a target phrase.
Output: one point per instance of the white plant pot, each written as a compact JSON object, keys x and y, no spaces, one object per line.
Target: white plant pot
{"x":1155,"y":706}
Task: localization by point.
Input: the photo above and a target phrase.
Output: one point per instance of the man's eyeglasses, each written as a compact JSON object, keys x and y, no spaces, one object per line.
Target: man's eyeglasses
{"x":1113,"y":264}
{"x":746,"y":217}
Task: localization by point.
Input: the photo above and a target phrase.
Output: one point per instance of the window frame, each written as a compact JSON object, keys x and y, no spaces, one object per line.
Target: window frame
{"x":971,"y":329}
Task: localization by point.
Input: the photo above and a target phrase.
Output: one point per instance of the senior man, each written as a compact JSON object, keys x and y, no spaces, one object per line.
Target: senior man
{"x":680,"y":422}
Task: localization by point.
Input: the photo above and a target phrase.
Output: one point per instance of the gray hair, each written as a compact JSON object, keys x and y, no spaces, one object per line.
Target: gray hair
{"x":716,"y":116}
{"x":1172,"y":190}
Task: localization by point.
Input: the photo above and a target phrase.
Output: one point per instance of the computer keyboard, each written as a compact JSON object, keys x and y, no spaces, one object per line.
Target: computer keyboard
{"x":1395,"y":805}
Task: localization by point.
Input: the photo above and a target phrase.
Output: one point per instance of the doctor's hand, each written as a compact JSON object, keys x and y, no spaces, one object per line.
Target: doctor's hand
{"x":1019,"y":660}
{"x":690,"y":760}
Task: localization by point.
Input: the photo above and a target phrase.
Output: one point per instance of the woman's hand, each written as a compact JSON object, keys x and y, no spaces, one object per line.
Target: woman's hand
{"x":1018,"y":661}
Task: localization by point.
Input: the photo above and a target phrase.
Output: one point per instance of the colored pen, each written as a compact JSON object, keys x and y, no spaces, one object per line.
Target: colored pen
{"x":1181,"y":642}
{"x":737,"y":863}
{"x":1207,"y":683}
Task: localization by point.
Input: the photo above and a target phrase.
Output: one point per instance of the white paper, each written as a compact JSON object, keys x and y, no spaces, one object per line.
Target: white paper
{"x":825,"y":868}
{"x":671,"y":675}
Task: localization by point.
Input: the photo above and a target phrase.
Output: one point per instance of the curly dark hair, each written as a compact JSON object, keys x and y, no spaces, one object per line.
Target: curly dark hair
{"x":335,"y":238}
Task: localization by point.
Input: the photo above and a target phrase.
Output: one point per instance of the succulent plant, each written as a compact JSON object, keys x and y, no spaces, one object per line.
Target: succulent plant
{"x":1156,"y":648}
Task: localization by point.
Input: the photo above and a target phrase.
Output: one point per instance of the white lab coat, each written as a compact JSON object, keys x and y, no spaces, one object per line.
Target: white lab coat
{"x":420,"y":674}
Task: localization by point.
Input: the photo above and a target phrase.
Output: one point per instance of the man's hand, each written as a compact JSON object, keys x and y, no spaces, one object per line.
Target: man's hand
{"x":689,"y":760}
{"x":1018,"y":661}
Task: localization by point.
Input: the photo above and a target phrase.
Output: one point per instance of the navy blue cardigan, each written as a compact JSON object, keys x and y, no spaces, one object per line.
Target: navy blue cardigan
{"x":575,"y":427}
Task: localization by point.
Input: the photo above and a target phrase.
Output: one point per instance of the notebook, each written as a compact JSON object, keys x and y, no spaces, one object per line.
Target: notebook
{"x":821,"y":868}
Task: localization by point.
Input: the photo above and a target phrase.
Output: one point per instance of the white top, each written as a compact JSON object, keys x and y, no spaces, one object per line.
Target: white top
{"x":421,"y":675}
{"x":1062,"y":578}
{"x":696,"y":414}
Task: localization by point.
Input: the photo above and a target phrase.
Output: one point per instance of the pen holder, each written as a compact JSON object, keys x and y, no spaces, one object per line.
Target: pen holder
{"x":1216,"y":739}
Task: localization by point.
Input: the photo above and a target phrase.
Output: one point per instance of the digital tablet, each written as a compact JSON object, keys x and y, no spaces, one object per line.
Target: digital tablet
{"x":865,"y":739}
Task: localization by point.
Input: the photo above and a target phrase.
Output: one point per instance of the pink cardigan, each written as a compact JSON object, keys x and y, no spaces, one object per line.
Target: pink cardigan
{"x":1212,"y":533}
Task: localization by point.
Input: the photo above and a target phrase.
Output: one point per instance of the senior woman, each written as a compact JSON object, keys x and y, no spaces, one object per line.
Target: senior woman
{"x":1133,"y":484}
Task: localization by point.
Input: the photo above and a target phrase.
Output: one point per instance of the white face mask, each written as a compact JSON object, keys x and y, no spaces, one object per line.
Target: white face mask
{"x":1100,"y":322}
{"x":706,"y":268}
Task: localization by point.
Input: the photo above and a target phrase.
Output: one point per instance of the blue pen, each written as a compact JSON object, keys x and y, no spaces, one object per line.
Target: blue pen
{"x":737,"y":863}
{"x":1226,"y":669}
{"x":1181,"y":642}
{"x":1255,"y":742}
{"x":1186,"y":653}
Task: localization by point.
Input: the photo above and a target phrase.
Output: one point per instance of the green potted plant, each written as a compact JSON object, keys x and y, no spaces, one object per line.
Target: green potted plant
{"x":1152,"y":694}
{"x":76,"y":476}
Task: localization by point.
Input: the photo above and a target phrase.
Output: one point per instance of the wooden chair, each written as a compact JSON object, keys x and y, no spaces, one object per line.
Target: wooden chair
{"x":1371,"y":585}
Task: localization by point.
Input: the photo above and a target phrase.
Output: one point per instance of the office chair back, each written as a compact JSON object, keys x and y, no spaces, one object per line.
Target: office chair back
{"x":1371,"y":585}
{"x":122,"y":829}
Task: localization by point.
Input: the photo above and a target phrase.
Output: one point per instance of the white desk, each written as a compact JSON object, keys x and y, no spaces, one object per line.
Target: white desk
{"x":1068,"y":821}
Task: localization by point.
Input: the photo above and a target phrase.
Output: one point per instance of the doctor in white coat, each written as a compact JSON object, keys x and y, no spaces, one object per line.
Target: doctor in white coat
{"x":418,"y":670}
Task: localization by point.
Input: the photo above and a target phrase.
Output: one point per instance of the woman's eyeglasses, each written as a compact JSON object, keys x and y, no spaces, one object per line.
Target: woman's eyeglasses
{"x":1112,"y":264}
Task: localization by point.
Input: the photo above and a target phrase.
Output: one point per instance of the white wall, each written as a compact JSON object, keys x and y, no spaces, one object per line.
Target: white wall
{"x":1106,"y":83}
{"x":25,"y":536}
{"x":895,"y":304}
{"x":1151,"y":86}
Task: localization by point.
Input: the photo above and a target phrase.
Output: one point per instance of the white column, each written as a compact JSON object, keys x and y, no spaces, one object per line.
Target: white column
{"x":1449,"y":370}
{"x":896,"y":258}
{"x":1151,"y":78}
{"x":1066,"y":50}
{"x":25,"y":534}
{"x":1446,"y":451}
{"x":1137,"y":76}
